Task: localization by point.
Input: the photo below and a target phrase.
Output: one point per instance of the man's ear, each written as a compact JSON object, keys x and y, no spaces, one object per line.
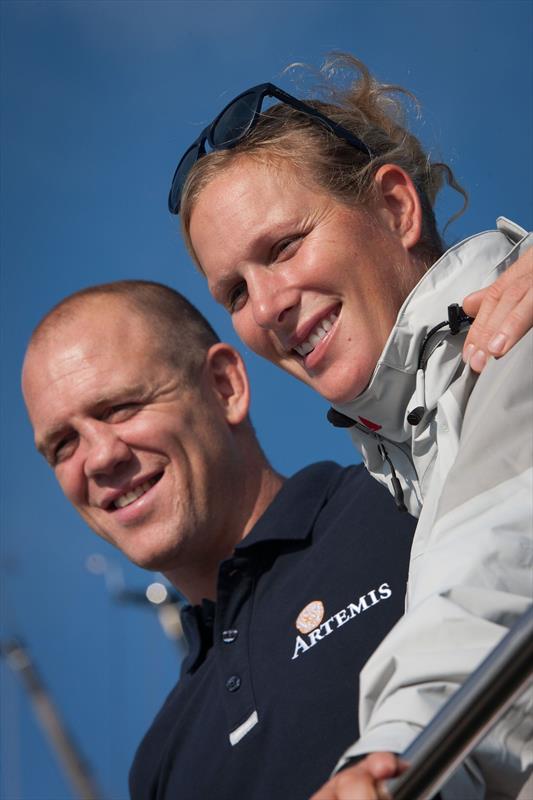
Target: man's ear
{"x":398,"y":204}
{"x":227,"y":374}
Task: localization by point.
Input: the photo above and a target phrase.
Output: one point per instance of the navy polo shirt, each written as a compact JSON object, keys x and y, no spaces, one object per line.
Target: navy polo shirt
{"x":267,"y":698}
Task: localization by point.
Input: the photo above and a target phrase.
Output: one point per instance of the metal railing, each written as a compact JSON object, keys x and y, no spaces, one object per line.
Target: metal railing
{"x":468,"y":715}
{"x":68,"y":752}
{"x":448,"y":739}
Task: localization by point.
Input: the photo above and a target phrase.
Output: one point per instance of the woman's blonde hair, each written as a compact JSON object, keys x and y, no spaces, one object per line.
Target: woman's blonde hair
{"x":375,"y":112}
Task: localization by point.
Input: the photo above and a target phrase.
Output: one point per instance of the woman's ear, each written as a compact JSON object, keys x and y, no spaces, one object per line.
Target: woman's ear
{"x":229,"y":381}
{"x":398,"y":204}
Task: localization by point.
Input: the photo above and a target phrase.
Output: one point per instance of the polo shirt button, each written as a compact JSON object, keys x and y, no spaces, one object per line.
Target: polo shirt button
{"x":233,"y":683}
{"x":235,"y":573}
{"x":229,"y":636}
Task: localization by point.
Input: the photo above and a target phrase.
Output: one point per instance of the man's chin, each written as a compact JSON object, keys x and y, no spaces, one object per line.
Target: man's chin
{"x":140,"y":547}
{"x":154,"y":561}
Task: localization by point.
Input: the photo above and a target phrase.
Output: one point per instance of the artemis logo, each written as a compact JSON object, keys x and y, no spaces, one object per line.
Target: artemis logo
{"x":314,"y":612}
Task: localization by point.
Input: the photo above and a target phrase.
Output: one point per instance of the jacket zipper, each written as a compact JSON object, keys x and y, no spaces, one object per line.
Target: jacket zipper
{"x":396,"y":485}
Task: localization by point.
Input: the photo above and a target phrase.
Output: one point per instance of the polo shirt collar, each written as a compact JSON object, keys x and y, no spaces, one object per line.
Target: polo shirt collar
{"x":292,"y":513}
{"x":197,"y":622}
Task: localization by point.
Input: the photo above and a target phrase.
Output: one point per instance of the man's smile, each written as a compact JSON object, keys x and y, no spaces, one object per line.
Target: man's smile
{"x":125,"y":497}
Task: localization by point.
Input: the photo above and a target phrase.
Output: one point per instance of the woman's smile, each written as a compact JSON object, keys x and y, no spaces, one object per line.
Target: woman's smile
{"x":306,"y":278}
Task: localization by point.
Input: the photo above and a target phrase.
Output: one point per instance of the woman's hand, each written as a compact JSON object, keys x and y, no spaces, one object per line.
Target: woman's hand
{"x":363,"y":781}
{"x":503,"y":313}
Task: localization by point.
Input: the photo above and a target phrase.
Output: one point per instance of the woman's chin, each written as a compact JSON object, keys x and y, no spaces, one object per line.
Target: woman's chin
{"x":335,"y":386}
{"x":339,"y":393}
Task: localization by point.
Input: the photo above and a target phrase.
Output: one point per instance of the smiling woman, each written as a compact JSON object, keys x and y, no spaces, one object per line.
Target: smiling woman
{"x":291,"y":261}
{"x":313,"y":224}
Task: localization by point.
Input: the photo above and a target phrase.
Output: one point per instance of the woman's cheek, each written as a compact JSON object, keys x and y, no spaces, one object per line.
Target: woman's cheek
{"x":246,"y":330}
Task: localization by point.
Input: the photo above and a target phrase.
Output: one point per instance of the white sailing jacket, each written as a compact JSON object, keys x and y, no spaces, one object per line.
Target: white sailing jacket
{"x":465,"y":469}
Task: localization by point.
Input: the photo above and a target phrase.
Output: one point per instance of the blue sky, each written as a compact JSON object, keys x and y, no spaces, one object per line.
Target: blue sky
{"x":99,"y":99}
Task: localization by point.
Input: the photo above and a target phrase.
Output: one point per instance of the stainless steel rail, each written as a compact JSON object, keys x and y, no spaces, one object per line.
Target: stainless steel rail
{"x":468,"y":715}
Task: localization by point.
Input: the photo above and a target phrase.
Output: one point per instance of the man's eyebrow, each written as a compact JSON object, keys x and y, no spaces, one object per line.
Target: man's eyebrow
{"x":102,"y":401}
{"x":119,"y":395}
{"x":43,"y":445}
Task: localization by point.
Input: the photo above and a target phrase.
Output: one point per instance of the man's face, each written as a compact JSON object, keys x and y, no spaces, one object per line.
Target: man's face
{"x":142,"y":456}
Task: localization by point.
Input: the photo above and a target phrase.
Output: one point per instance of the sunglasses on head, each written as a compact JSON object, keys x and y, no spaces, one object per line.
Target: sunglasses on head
{"x":235,"y":121}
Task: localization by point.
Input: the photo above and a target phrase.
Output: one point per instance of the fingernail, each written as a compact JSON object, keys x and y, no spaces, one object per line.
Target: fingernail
{"x":468,"y":353}
{"x":497,"y":343}
{"x":478,"y":361}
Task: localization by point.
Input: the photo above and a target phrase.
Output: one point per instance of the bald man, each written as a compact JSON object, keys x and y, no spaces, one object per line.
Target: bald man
{"x":142,"y":413}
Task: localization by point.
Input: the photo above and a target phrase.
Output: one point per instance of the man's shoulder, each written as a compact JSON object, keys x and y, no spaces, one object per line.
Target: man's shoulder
{"x":328,"y":471}
{"x":351,"y":498}
{"x":331,"y":483}
{"x":337,"y":478}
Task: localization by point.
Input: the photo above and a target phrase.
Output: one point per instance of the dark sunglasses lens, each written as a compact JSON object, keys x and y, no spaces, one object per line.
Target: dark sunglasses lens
{"x":180,"y":176}
{"x":235,"y":121}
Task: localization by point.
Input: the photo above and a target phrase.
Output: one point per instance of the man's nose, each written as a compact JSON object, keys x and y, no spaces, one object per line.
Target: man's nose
{"x":272,"y":299}
{"x":105,"y":449}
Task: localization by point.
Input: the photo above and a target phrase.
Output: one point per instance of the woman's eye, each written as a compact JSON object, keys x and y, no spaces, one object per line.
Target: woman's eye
{"x":237,"y":297}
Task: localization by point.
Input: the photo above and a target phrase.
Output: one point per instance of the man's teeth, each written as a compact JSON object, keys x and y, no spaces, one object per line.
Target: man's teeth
{"x":129,"y":497}
{"x":323,"y":328}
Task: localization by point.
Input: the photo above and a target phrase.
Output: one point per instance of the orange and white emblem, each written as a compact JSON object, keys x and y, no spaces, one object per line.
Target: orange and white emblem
{"x":310,"y":617}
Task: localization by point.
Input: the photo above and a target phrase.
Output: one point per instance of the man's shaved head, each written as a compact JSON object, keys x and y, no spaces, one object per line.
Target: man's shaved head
{"x":184,"y":334}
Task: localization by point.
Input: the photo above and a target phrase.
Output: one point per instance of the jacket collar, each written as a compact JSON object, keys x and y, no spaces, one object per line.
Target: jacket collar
{"x":465,"y":267}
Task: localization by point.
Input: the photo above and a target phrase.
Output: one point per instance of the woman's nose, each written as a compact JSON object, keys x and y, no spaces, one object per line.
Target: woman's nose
{"x":272,"y":300}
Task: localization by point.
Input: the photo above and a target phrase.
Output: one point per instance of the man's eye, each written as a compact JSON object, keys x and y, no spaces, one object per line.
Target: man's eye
{"x":63,"y":449}
{"x":286,"y":247}
{"x":120,"y":412}
{"x":237,"y":297}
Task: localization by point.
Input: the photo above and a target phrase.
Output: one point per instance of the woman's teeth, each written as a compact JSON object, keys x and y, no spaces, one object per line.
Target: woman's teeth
{"x":318,"y":333}
{"x":125,"y":499}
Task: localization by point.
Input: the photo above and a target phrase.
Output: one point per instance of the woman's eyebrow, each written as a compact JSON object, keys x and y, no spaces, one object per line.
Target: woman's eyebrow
{"x":254,"y":249}
{"x":219,"y":287}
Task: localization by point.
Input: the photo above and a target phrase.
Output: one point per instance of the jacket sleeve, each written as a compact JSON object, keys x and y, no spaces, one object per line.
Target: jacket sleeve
{"x":470,"y":578}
